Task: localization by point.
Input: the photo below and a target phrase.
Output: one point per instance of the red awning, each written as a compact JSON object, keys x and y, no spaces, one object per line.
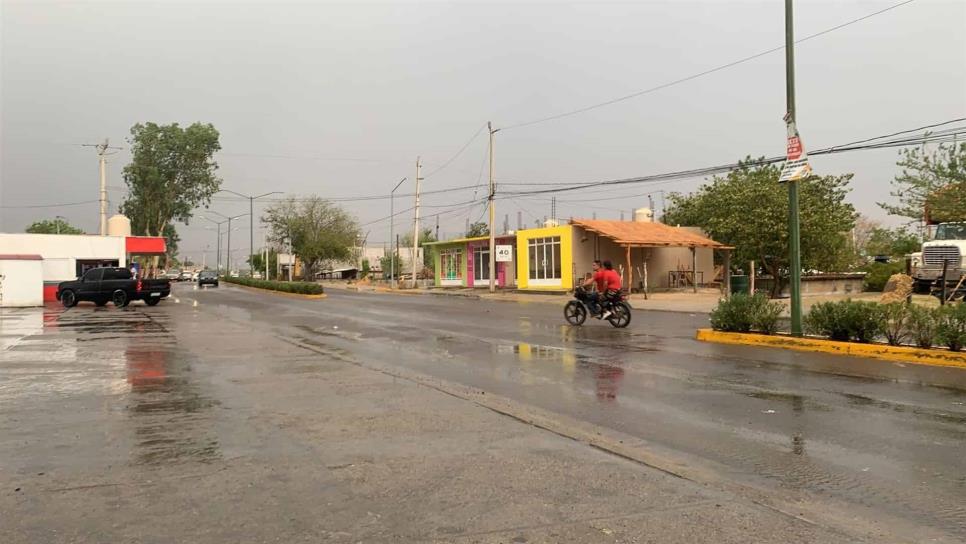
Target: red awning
{"x":145,"y":245}
{"x":20,"y":257}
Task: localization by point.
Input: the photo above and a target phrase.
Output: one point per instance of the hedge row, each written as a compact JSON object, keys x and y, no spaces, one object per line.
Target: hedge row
{"x":298,"y":287}
{"x":851,"y":321}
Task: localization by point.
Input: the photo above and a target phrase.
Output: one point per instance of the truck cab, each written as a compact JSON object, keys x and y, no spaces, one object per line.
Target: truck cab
{"x":947,"y":246}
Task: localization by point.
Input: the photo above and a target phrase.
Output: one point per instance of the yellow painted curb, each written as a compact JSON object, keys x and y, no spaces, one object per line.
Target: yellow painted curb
{"x":904,"y":354}
{"x":279,"y":293}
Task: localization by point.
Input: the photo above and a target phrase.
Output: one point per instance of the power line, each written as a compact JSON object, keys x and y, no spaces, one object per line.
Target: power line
{"x":458,"y":153}
{"x":947,"y":135}
{"x":50,"y":205}
{"x":700,"y":74}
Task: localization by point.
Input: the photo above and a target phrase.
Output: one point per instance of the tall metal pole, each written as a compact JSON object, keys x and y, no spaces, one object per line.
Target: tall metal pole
{"x":794,"y":249}
{"x":392,"y":225}
{"x":416,"y":223}
{"x":103,"y":198}
{"x":228,"y":250}
{"x":251,"y":236}
{"x":492,"y":259}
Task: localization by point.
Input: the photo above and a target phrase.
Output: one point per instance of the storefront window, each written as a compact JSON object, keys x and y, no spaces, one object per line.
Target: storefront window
{"x":481,"y":263}
{"x":545,"y":258}
{"x":451,"y":264}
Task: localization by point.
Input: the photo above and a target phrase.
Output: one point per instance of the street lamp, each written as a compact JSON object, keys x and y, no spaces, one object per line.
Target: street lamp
{"x":251,"y":227}
{"x":218,"y":252}
{"x":228,"y":248}
{"x":392,"y":253}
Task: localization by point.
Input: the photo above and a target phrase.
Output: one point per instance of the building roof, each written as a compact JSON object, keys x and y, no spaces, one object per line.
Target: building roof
{"x":473,"y":239}
{"x":647,"y":234}
{"x":20,"y":257}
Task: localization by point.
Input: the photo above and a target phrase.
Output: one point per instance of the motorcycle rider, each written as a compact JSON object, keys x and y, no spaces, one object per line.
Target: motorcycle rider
{"x":608,"y":283}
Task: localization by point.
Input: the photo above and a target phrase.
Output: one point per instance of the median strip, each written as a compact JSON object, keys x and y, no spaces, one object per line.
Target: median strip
{"x":303,"y":290}
{"x":903,"y":354}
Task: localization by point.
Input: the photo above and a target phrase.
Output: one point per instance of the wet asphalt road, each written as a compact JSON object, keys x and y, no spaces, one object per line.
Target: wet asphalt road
{"x":875,"y":446}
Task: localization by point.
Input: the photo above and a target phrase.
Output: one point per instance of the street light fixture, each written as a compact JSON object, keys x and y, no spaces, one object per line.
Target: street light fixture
{"x":218,"y":252}
{"x":251,"y":226}
{"x":228,"y":248}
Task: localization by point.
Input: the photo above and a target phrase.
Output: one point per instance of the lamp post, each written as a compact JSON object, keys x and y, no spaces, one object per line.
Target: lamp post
{"x":218,"y":251}
{"x":392,"y":253}
{"x":251,"y":227}
{"x":228,"y":248}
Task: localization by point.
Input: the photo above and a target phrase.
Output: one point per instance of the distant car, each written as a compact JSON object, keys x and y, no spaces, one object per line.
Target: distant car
{"x":173,"y":275}
{"x":185,"y":276}
{"x":208,"y":277}
{"x":257,"y":276}
{"x":194,"y":275}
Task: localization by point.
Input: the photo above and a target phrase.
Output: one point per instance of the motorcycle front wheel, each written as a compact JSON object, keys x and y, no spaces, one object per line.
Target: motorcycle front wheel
{"x":620,"y":315}
{"x":575,"y":313}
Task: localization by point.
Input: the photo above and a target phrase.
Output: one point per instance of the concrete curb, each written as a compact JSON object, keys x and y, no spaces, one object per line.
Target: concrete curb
{"x":903,"y":354}
{"x":279,"y":293}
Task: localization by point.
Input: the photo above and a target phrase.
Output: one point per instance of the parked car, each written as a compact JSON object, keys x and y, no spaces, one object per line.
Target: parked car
{"x":208,"y":277}
{"x":112,"y":284}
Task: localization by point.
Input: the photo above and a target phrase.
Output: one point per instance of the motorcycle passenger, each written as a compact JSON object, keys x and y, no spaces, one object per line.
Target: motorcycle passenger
{"x":608,"y":283}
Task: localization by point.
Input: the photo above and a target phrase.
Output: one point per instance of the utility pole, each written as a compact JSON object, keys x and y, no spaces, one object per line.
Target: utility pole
{"x":553,"y":208}
{"x":437,"y":227}
{"x":416,"y":222}
{"x":102,"y":160}
{"x":492,"y":252}
{"x":794,"y":250}
{"x":392,"y":222}
{"x":228,"y":249}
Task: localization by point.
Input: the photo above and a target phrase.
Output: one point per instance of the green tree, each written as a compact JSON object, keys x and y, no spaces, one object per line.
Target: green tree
{"x":387,"y":265}
{"x":479,"y":228}
{"x":53,"y":226}
{"x":171,"y":173}
{"x":932,"y":185}
{"x":425,"y":236}
{"x":748,"y":209}
{"x":892,"y":242}
{"x":257,"y":261}
{"x":320,"y":231}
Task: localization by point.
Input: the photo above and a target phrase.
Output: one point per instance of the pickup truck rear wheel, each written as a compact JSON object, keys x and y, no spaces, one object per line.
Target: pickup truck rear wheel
{"x":68,"y":299}
{"x":119,"y":298}
{"x":153,"y":301}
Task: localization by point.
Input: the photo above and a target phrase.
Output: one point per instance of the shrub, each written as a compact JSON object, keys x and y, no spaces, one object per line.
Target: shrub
{"x":297,"y":287}
{"x":894,"y":318}
{"x":744,"y":313}
{"x":845,"y":320}
{"x":878,"y":274}
{"x":951,"y":326}
{"x":921,"y":324}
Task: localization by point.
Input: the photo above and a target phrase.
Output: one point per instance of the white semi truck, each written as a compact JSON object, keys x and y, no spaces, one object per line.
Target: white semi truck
{"x":947,"y":246}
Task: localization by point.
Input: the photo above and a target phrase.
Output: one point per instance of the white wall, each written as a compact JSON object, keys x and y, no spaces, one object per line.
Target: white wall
{"x":63,"y":250}
{"x":22,"y":283}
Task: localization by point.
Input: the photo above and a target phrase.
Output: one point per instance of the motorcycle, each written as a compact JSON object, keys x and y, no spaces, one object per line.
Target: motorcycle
{"x":577,"y":310}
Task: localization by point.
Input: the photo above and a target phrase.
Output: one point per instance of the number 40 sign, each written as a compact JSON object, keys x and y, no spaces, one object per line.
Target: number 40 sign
{"x":504,"y":254}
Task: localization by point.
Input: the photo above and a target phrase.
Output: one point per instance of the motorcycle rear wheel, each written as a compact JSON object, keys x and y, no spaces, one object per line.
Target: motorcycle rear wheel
{"x":620,"y":315}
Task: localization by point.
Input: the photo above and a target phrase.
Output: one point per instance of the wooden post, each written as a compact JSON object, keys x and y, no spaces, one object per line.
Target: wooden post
{"x":751,"y":278}
{"x":694,"y":269}
{"x":630,"y":272}
{"x":727,"y":273}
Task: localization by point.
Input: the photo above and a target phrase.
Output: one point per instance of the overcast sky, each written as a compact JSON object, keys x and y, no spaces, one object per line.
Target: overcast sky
{"x":338,"y":99}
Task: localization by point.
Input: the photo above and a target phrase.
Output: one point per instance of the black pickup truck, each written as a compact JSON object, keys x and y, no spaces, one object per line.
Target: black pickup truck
{"x":109,"y":284}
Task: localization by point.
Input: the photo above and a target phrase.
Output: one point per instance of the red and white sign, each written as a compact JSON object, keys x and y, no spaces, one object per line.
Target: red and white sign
{"x":796,"y":160}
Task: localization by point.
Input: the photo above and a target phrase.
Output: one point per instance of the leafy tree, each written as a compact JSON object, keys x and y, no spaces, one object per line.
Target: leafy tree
{"x":748,"y":209}
{"x":171,"y":173}
{"x":257,"y":261}
{"x":893,"y":242}
{"x":387,"y":263}
{"x":479,"y":228}
{"x":53,"y":226}
{"x":320,"y":231}
{"x":932,"y":185}
{"x":366,"y":270}
{"x":425,"y":236}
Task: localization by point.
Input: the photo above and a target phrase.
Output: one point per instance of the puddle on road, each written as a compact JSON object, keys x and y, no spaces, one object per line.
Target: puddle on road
{"x":603,"y":377}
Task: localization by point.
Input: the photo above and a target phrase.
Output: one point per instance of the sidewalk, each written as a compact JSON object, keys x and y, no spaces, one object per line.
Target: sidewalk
{"x":686,"y":301}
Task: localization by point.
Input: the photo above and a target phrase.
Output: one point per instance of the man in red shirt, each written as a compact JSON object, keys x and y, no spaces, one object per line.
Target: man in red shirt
{"x":608,"y":281}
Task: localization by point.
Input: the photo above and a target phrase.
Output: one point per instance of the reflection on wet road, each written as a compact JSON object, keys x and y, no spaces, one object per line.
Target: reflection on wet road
{"x":891,"y":447}
{"x":90,"y":356}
